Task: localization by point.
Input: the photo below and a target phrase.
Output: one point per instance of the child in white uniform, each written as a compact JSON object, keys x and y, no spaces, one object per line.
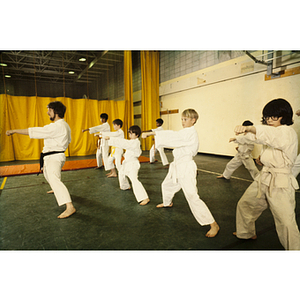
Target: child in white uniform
{"x":102,"y":147}
{"x":116,"y":152}
{"x":242,"y":157}
{"x":131,"y":165}
{"x":275,"y":186}
{"x":154,"y":149}
{"x":57,"y":137}
{"x":183,"y":170}
{"x":296,"y":168}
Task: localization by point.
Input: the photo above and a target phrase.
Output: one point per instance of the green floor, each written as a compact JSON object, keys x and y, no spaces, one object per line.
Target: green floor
{"x":110,"y":219}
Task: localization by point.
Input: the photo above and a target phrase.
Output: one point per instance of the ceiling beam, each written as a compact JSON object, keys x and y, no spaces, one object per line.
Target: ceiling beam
{"x":36,"y":57}
{"x":92,"y":63}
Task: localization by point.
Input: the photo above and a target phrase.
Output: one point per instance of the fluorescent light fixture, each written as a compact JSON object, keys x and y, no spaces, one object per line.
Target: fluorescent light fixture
{"x":3,"y":65}
{"x":7,"y":76}
{"x":71,"y":72}
{"x":82,"y":59}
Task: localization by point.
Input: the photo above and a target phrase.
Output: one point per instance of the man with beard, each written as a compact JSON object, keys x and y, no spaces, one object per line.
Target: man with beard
{"x":57,"y":137}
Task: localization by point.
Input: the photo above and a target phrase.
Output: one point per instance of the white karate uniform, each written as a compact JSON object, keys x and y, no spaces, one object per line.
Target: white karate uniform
{"x":116,"y":152}
{"x":57,"y":137}
{"x":274,"y":187}
{"x":130,"y":166}
{"x":183,"y":171}
{"x":243,"y":156}
{"x":296,"y":167}
{"x":102,"y":151}
{"x":161,"y":151}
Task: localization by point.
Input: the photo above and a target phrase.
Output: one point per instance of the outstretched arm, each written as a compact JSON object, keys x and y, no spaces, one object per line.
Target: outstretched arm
{"x":146,"y":134}
{"x":19,"y":131}
{"x":244,"y":129}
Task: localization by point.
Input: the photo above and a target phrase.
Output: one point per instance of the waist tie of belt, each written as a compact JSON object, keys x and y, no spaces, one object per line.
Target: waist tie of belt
{"x":244,"y":155}
{"x":173,"y":166}
{"x":45,"y":154}
{"x":273,"y":172}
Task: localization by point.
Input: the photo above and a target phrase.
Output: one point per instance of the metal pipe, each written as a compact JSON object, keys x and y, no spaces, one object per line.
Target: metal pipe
{"x":270,"y":63}
{"x":255,"y":59}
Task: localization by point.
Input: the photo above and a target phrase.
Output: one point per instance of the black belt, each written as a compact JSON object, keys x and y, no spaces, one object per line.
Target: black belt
{"x":45,"y":154}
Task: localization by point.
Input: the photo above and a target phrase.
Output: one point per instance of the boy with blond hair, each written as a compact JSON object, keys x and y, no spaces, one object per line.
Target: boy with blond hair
{"x":183,"y":170}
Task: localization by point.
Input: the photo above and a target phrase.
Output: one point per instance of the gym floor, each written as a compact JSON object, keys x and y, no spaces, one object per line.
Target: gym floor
{"x":110,"y":219}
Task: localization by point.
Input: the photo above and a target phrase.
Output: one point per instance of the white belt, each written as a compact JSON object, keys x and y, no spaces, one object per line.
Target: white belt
{"x":273,"y":172}
{"x":173,"y":168}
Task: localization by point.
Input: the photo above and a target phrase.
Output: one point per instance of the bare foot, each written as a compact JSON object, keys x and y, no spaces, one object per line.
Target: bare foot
{"x":99,"y":167}
{"x":214,"y":229}
{"x":221,"y":177}
{"x":112,"y":175}
{"x":50,"y":192}
{"x":70,"y":210}
{"x":162,"y":205}
{"x":108,"y":174}
{"x":252,"y":238}
{"x":144,"y":202}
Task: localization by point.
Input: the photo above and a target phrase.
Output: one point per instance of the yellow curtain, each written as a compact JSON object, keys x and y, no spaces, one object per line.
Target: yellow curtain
{"x":23,"y":112}
{"x":128,"y":117}
{"x":7,"y":147}
{"x":150,"y":93}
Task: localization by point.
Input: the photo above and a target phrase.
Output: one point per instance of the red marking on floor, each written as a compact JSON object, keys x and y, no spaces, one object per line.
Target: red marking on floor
{"x":69,"y":166}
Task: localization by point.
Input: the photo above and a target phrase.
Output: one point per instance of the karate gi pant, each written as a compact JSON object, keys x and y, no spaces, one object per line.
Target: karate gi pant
{"x":296,"y":168}
{"x":116,"y":156}
{"x":236,"y":162}
{"x":52,"y":172}
{"x":101,"y":153}
{"x":282,"y":205}
{"x":130,"y":170}
{"x":188,"y":184}
{"x":162,"y":154}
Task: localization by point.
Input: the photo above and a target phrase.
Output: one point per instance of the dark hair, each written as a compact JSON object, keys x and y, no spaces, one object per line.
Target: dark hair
{"x":104,"y":116}
{"x":278,"y":108}
{"x":247,"y":123}
{"x":135,"y":129}
{"x":118,"y":122}
{"x":58,"y":108}
{"x":160,"y":121}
